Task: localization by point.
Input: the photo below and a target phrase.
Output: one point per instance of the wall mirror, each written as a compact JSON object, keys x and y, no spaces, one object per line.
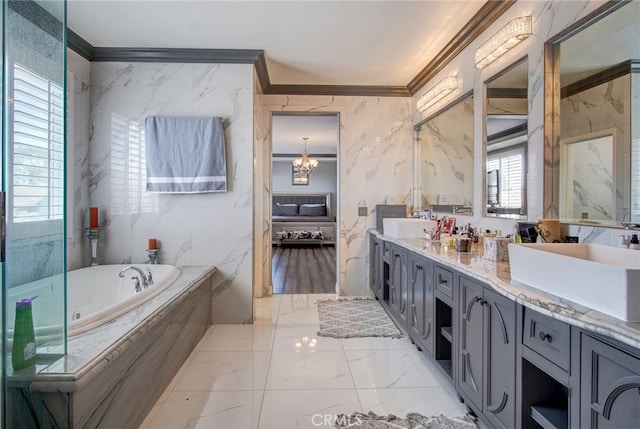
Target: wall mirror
{"x":506,"y":117}
{"x":445,"y":158}
{"x":596,"y":131}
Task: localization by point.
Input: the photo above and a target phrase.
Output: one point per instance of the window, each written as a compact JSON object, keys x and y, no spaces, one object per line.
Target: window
{"x":38,"y":147}
{"x":510,"y":164}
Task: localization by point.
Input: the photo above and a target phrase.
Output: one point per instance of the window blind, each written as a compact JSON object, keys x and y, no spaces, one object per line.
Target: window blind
{"x":510,"y":163}
{"x":38,"y":147}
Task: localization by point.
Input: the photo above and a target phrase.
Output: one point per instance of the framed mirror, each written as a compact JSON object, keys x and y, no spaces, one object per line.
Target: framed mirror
{"x":505,"y":119}
{"x":595,"y":98}
{"x":445,"y":158}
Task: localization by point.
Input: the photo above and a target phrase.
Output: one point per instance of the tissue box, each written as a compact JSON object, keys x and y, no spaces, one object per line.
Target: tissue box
{"x":496,"y":249}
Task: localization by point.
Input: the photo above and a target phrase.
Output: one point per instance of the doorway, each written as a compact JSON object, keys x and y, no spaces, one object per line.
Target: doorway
{"x":304,"y":202}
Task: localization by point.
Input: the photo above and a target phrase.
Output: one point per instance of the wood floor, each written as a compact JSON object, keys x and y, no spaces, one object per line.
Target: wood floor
{"x":304,"y":269}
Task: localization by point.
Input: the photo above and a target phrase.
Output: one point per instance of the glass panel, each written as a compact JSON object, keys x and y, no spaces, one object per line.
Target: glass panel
{"x":33,"y":154}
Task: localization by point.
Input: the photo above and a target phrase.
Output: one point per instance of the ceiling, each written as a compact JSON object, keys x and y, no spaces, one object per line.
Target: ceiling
{"x":322,"y":130}
{"x":379,"y":43}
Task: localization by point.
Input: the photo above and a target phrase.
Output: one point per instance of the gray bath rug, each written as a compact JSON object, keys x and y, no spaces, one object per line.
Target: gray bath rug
{"x":352,"y":318}
{"x":411,"y":421}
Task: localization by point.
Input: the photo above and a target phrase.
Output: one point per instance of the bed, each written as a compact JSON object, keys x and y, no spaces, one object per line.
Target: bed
{"x":303,"y":219}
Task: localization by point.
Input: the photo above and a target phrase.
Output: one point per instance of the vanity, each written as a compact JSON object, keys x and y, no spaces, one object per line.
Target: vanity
{"x":517,"y":356}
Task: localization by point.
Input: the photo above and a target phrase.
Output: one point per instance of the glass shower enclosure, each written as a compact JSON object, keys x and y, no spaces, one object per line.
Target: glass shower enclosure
{"x":33,"y":203}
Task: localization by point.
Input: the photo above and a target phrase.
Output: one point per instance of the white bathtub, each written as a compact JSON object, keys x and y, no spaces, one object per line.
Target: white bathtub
{"x":96,"y":295}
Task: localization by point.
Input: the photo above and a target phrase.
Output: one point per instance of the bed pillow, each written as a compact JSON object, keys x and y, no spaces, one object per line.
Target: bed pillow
{"x":313,"y":210}
{"x":285,"y":210}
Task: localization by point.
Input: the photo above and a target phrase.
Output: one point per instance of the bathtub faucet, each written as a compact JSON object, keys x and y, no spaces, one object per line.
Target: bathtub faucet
{"x":143,"y":276}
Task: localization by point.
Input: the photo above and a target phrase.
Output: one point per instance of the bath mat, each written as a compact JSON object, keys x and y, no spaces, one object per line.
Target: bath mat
{"x":411,"y":421}
{"x":352,"y":318}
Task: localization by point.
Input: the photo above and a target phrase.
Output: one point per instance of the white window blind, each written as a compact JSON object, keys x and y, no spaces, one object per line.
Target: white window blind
{"x":38,"y":147}
{"x":510,"y":164}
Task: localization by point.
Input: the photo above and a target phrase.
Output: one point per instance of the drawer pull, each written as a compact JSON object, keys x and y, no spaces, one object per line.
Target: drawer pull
{"x":545,"y":337}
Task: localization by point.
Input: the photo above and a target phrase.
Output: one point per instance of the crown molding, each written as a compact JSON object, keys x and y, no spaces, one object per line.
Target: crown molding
{"x":338,"y":90}
{"x":604,"y":76}
{"x":486,"y":16}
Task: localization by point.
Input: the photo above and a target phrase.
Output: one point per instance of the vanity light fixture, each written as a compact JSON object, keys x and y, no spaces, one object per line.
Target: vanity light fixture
{"x":506,"y":38}
{"x":437,"y":93}
{"x":305,"y":164}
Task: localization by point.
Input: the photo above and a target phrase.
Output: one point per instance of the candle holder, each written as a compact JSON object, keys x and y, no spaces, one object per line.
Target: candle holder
{"x":94,"y":235}
{"x":153,"y":255}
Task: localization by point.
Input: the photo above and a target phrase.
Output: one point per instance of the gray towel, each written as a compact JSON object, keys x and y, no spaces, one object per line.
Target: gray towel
{"x":185,"y":154}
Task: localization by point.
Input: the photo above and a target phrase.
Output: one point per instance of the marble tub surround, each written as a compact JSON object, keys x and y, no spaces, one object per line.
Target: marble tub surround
{"x":110,"y":375}
{"x":497,"y":276}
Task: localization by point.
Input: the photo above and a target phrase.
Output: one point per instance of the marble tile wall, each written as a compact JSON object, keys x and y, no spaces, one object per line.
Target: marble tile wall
{"x":192,"y":229}
{"x":375,"y":160}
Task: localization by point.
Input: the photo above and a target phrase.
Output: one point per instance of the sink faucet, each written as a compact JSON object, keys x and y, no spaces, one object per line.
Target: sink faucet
{"x":143,"y":276}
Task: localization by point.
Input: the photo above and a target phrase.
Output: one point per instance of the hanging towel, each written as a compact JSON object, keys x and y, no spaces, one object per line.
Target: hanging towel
{"x":185,"y":154}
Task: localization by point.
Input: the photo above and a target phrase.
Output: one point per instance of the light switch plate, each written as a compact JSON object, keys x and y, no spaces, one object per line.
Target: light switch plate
{"x":362,"y":211}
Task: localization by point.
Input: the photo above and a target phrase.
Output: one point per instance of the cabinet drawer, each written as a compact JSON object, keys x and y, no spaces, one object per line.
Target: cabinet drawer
{"x":444,"y":281}
{"x":549,"y":337}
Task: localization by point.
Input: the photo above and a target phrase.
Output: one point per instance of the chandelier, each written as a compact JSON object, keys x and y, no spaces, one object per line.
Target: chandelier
{"x":305,"y":164}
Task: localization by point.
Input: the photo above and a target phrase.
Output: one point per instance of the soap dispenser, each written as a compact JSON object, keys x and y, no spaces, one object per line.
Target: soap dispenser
{"x":634,"y":243}
{"x":23,"y":354}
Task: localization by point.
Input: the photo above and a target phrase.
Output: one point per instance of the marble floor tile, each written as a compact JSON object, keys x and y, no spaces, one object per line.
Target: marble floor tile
{"x":303,"y":338}
{"x":238,"y":338}
{"x":266,"y":315}
{"x":377,"y":343}
{"x":309,"y":370}
{"x":284,"y":409}
{"x":211,"y":410}
{"x":427,"y":401}
{"x":225,"y":371}
{"x":278,"y":373}
{"x":392,"y":368}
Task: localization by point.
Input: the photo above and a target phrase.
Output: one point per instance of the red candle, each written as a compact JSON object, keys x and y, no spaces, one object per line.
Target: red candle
{"x":153,"y":244}
{"x":93,"y":217}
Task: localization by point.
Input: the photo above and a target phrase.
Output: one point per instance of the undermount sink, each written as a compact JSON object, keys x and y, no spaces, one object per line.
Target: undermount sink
{"x":604,"y":278}
{"x":405,"y":227}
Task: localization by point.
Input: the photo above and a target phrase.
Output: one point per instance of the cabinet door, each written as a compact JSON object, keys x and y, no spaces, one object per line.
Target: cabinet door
{"x":499,"y":359}
{"x":398,"y":284}
{"x":609,"y":386}
{"x":375,"y":266}
{"x":403,"y":288}
{"x":420,"y":303}
{"x":470,"y":346}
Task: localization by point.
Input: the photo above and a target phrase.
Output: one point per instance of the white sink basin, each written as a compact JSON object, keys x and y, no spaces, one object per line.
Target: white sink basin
{"x":604,"y":278}
{"x":401,"y":227}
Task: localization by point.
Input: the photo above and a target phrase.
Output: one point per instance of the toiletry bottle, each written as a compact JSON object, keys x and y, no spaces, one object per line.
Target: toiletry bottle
{"x":634,"y":243}
{"x":23,"y":354}
{"x":622,"y":241}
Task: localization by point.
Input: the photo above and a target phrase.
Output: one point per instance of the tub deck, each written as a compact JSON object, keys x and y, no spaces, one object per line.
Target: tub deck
{"x":108,"y":369}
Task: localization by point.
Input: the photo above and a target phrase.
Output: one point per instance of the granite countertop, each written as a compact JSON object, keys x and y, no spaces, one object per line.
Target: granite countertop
{"x":90,"y":352}
{"x":498,"y":277}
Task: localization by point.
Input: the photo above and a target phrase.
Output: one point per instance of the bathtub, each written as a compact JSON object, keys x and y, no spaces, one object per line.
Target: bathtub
{"x":96,"y":295}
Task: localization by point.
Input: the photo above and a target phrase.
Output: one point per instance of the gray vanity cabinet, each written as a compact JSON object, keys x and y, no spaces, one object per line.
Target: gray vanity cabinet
{"x":487,"y":351}
{"x":420,"y":309}
{"x":375,"y":266}
{"x":609,"y":386}
{"x":398,"y":296}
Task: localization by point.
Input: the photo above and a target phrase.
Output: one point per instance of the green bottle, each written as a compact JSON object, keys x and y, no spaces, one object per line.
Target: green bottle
{"x":23,"y":354}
